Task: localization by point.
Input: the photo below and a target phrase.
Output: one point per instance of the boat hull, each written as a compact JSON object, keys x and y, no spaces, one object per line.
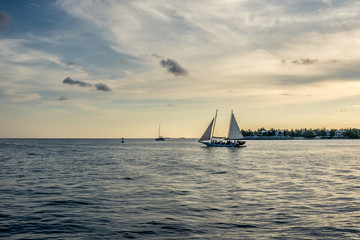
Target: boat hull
{"x":236,"y":145}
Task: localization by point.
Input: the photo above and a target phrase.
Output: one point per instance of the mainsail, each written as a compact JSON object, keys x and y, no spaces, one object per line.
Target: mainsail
{"x":234,"y":131}
{"x":207,"y":134}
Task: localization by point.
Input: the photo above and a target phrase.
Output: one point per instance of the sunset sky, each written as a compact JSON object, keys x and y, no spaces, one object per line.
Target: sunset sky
{"x":112,"y":69}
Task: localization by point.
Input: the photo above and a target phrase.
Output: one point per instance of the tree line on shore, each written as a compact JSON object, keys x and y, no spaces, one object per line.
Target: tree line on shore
{"x":350,"y":133}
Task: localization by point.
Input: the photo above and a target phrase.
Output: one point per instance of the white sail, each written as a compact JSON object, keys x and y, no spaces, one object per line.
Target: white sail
{"x":207,"y":134}
{"x":234,"y":131}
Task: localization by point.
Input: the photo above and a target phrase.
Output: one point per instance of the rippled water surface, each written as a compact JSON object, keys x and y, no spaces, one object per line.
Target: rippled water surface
{"x":177,"y":189}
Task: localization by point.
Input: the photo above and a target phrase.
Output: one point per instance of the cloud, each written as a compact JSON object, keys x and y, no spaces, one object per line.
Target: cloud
{"x":202,"y":30}
{"x":19,"y":97}
{"x":306,"y":61}
{"x":174,"y":67}
{"x":217,"y":46}
{"x":69,"y":81}
{"x":102,"y":87}
{"x":124,"y":61}
{"x":98,"y":86}
{"x":62,"y":98}
{"x":4,"y":18}
{"x":327,"y":72}
{"x":155,"y":55}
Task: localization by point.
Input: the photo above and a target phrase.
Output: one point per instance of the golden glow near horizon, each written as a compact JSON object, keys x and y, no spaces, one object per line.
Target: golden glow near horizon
{"x":118,"y":69}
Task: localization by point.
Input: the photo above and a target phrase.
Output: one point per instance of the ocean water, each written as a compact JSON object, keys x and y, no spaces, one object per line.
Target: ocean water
{"x":178,"y":189}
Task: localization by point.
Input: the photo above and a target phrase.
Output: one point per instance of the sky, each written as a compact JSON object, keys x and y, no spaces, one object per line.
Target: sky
{"x":117,"y":68}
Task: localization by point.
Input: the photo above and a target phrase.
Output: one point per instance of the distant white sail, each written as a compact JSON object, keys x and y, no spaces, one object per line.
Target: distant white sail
{"x":234,"y":131}
{"x":207,"y":134}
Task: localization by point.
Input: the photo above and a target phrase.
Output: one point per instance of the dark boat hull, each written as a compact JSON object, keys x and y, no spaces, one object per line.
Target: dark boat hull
{"x":213,"y":144}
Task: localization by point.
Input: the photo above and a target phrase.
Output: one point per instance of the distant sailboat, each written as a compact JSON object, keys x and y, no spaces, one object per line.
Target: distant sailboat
{"x":233,"y":139}
{"x":159,"y":138}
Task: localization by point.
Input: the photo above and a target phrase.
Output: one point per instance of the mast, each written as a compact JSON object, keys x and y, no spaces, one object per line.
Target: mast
{"x":159,"y":130}
{"x":212,"y":133}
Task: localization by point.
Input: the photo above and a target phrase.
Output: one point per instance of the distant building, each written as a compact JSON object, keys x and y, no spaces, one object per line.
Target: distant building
{"x":328,"y":134}
{"x":279,"y":133}
{"x":262,"y":133}
{"x":339,"y":133}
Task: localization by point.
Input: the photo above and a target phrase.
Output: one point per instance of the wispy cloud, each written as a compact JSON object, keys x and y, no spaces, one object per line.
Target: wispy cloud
{"x":306,"y":61}
{"x":173,"y":67}
{"x":4,"y":18}
{"x":18,"y":96}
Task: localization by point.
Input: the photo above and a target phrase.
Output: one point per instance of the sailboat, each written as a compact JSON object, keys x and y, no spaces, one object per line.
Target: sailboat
{"x":232,"y":140}
{"x":159,"y":138}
